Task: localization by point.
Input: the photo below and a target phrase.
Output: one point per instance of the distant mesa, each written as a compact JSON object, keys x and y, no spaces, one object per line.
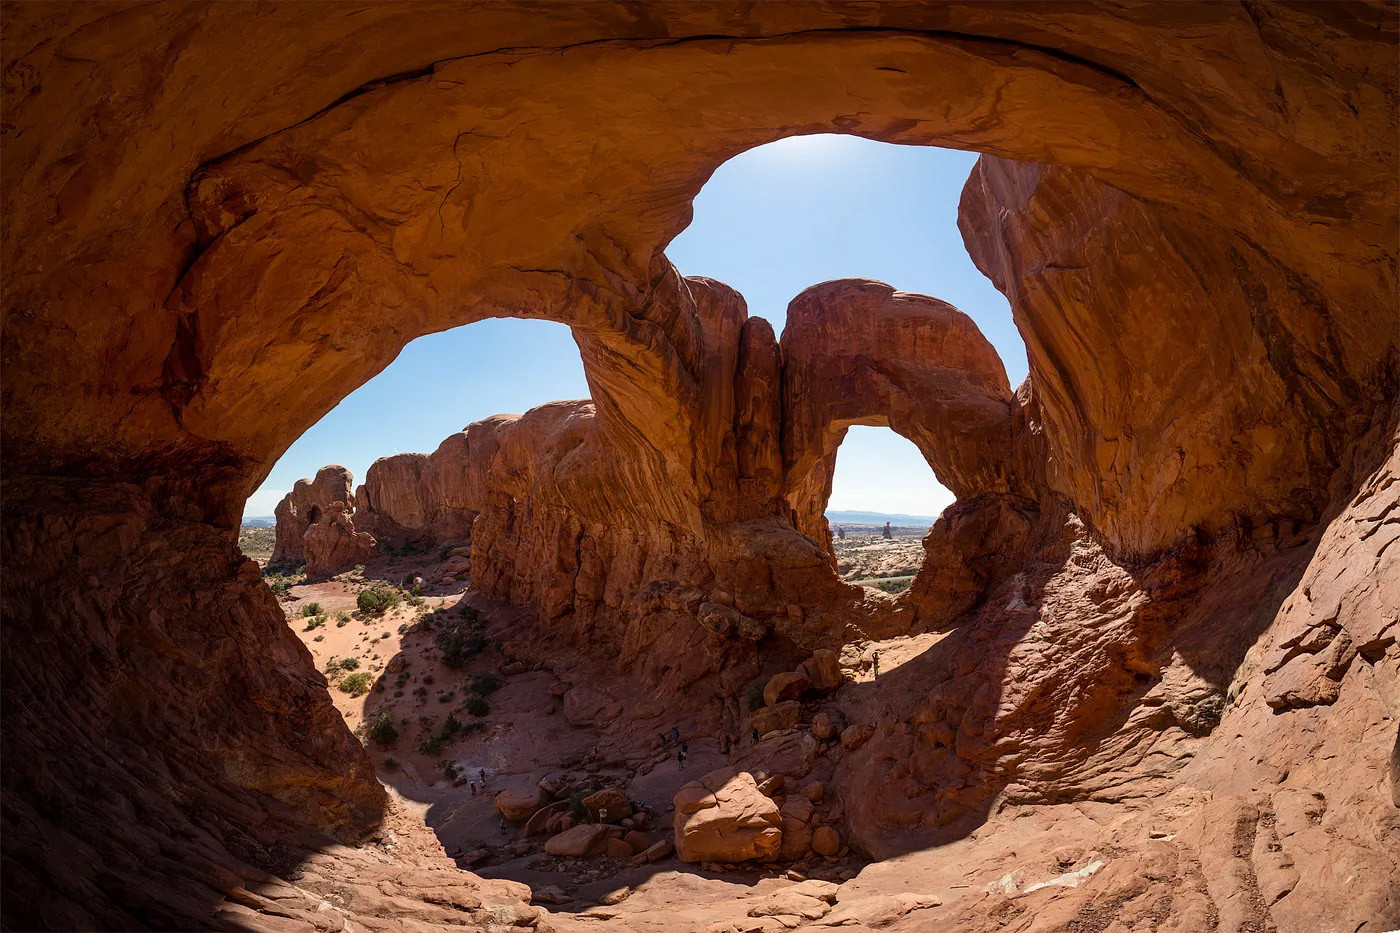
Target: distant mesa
{"x":856,"y":517}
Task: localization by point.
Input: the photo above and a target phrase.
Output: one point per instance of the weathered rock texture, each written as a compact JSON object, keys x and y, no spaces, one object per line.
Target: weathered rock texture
{"x":221,"y":219}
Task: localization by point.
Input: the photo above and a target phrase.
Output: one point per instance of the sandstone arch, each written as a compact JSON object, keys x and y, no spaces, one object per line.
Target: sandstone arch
{"x":859,"y":352}
{"x":198,"y":225}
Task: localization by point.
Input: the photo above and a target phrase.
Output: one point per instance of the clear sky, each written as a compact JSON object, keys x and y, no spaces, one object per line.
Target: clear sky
{"x":771,"y":222}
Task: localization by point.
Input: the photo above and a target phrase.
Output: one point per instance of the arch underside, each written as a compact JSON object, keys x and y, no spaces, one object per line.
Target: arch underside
{"x":223,"y":219}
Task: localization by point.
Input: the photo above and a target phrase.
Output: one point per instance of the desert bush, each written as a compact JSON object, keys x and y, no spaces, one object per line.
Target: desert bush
{"x":477,"y":705}
{"x":893,"y":586}
{"x":458,"y":647}
{"x":383,"y":731}
{"x":357,"y":685}
{"x":449,"y":728}
{"x":310,"y":609}
{"x":377,"y":599}
{"x":473,"y":725}
{"x":349,"y":664}
{"x":449,"y":770}
{"x":391,"y":763}
{"x":314,"y":622}
{"x":319,"y":638}
{"x":431,"y":746}
{"x":484,"y":682}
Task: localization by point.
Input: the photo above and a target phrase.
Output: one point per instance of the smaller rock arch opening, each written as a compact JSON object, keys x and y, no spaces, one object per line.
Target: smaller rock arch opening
{"x":313,"y":515}
{"x":882,"y":498}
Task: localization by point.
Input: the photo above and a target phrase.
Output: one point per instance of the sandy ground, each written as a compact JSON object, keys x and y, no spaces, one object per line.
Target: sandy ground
{"x":528,"y":736}
{"x":865,"y":555}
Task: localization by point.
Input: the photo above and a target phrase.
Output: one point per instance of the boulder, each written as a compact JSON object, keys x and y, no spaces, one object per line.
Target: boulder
{"x":853,"y":737}
{"x":773,"y":718}
{"x":789,"y":685}
{"x":723,"y":818}
{"x":822,"y":727}
{"x":617,"y":848}
{"x":519,"y":803}
{"x":796,"y":811}
{"x":640,"y":841}
{"x":578,"y":841}
{"x":608,"y":799}
{"x":539,"y":823}
{"x":814,"y":791}
{"x":823,"y":669}
{"x":826,"y":841}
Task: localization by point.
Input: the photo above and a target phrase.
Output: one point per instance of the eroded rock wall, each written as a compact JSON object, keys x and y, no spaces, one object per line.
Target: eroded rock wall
{"x":222,"y":219}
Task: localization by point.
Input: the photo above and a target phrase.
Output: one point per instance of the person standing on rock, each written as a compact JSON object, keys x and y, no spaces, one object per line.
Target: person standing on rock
{"x":755,"y":736}
{"x":875,"y":665}
{"x":482,"y":774}
{"x":503,"y":826}
{"x":473,"y":783}
{"x":675,"y":733}
{"x":680,"y":758}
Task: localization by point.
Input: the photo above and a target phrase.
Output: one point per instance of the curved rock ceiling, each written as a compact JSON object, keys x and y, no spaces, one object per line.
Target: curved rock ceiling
{"x":1168,"y":575}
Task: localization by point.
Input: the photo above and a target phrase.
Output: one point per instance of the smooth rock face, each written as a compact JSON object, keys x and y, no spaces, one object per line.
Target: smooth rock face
{"x":779,"y":716}
{"x":789,"y":685}
{"x":578,"y":841}
{"x":519,"y":803}
{"x":1182,"y":592}
{"x":723,"y":818}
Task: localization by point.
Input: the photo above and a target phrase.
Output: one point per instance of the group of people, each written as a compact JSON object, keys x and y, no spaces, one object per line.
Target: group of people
{"x":683,"y":752}
{"x":481,"y":776}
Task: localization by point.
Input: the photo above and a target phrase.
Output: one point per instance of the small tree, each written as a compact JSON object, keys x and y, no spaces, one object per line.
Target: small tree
{"x":377,"y":599}
{"x":357,"y":685}
{"x":310,"y":609}
{"x":383,"y":731}
{"x":477,"y":705}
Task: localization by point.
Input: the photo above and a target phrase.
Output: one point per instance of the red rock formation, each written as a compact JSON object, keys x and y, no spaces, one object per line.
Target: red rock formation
{"x":427,"y":499}
{"x":222,"y":219}
{"x":309,"y":503}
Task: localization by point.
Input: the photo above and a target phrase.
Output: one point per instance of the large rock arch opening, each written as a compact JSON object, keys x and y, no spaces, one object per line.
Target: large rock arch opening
{"x":220,"y":254}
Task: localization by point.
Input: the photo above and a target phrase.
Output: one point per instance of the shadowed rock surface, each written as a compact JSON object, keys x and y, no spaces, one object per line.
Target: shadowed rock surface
{"x":1159,"y":621}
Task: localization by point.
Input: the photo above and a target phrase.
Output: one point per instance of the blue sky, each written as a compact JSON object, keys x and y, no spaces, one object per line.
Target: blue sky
{"x":771,"y":222}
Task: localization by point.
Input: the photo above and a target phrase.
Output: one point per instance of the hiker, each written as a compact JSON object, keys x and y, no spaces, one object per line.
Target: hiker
{"x":755,"y":736}
{"x":602,"y":814}
{"x":724,"y":749}
{"x":473,"y":788}
{"x":503,"y":826}
{"x":661,"y":737}
{"x":482,"y":773}
{"x":685,"y":749}
{"x":675,"y":733}
{"x":875,"y":664}
{"x":680,"y":759}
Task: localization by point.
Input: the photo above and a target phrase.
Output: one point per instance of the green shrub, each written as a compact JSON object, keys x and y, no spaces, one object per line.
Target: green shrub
{"x":484,"y":682}
{"x":458,"y":647}
{"x":342,"y":618}
{"x":477,"y":705}
{"x":377,"y":599}
{"x":391,"y":763}
{"x":357,"y":685}
{"x":475,"y":725}
{"x":383,"y":731}
{"x":449,"y":728}
{"x":431,"y":746}
{"x":310,"y":609}
{"x":349,"y":664}
{"x":893,"y":587}
{"x":314,"y":622}
{"x":449,"y":770}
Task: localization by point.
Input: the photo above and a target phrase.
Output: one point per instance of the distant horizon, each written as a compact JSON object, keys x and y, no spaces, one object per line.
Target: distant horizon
{"x":844,"y":516}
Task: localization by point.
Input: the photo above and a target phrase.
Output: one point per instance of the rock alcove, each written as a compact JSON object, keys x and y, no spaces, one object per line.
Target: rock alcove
{"x":1173,"y":589}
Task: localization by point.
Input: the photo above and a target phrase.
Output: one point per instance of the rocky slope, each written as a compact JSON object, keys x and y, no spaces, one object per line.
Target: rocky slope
{"x":1172,"y":634}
